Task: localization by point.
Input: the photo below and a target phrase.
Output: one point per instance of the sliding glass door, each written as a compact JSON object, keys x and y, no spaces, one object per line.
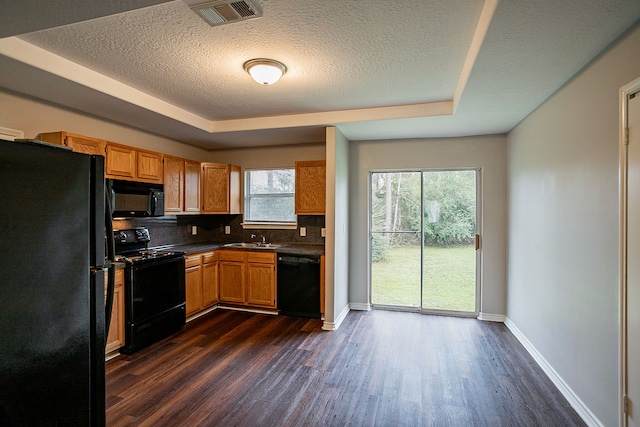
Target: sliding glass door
{"x":423,"y":240}
{"x":396,"y":255}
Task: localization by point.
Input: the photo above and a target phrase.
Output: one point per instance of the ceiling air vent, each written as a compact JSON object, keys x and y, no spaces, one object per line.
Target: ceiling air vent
{"x":224,"y":11}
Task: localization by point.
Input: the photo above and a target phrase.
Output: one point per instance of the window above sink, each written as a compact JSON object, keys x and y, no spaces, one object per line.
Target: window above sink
{"x":269,"y":199}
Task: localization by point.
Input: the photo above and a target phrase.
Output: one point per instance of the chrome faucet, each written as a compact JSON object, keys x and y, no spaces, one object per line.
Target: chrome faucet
{"x":264,"y":240}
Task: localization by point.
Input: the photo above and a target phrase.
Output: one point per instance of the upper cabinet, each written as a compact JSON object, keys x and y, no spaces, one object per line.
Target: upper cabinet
{"x":79,"y":143}
{"x":220,"y":192}
{"x":173,"y":185}
{"x":311,"y":187}
{"x":181,"y":186}
{"x":191,"y":186}
{"x":123,"y":162}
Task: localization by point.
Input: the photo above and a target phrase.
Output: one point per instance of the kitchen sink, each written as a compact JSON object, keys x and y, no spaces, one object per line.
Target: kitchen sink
{"x":252,"y":245}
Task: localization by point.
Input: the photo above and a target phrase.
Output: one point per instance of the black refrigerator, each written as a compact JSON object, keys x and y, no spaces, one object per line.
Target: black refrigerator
{"x":52,"y":303}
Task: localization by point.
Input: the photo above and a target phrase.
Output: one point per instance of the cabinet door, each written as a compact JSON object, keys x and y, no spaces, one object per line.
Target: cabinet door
{"x":215,"y":188}
{"x":310,"y":187}
{"x":191,"y":186}
{"x":120,"y":162}
{"x":232,"y":276}
{"x":261,"y":285}
{"x":115,"y":339}
{"x":210,"y":283}
{"x":149,"y":166}
{"x":79,"y":143}
{"x":85,"y":144}
{"x":193,"y":284}
{"x":173,"y":184}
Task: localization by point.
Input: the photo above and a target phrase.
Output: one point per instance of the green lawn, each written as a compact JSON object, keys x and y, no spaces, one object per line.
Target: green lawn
{"x":449,"y":278}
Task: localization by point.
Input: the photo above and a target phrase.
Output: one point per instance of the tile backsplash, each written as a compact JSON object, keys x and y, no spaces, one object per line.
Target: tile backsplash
{"x":177,"y":229}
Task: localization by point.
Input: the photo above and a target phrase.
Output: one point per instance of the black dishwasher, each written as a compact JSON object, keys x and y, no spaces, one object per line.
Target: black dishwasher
{"x":299,"y":285}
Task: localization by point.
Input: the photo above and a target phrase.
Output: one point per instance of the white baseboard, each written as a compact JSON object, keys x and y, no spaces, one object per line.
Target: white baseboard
{"x":202,"y":313}
{"x":359,"y":306}
{"x":576,"y":403}
{"x":492,"y":317}
{"x":332,"y":326}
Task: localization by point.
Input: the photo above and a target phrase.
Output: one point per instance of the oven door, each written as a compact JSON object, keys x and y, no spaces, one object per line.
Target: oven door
{"x":155,"y":286}
{"x":154,"y":301}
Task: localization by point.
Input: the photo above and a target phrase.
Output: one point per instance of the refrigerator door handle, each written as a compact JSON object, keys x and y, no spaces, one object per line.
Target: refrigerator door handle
{"x":111,"y":269}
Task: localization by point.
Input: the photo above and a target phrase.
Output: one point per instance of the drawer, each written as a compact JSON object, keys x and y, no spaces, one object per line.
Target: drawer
{"x":192,"y":261}
{"x":226,"y":255}
{"x":262,"y":257}
{"x":208,"y":257}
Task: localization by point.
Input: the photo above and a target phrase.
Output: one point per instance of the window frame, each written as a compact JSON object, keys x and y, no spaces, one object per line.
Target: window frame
{"x":267,"y":224}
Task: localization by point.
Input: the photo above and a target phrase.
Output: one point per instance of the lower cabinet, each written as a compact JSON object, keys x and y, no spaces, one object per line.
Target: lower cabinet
{"x":210,"y":279}
{"x":248,"y":278}
{"x":201,"y":281}
{"x":232,"y":275}
{"x":115,"y":338}
{"x":240,"y":278}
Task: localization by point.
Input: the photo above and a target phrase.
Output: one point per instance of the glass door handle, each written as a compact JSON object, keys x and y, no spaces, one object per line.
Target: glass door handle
{"x":477,"y":241}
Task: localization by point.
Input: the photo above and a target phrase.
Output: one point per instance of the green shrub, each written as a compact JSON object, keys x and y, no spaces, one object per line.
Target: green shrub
{"x":379,"y":248}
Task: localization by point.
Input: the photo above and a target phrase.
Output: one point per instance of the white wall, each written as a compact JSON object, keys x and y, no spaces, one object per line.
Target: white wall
{"x":486,"y":152}
{"x":337,"y":228}
{"x":35,"y":117}
{"x":281,"y":156}
{"x":563,"y":234}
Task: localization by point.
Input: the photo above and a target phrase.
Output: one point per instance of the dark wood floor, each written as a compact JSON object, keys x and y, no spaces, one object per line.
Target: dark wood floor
{"x":380,"y":368}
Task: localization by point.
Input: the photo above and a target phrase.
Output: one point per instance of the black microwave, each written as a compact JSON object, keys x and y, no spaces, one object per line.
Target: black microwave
{"x":134,"y":199}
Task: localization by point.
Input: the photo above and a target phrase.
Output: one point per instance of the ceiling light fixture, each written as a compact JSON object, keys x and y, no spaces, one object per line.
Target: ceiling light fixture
{"x":265,"y":71}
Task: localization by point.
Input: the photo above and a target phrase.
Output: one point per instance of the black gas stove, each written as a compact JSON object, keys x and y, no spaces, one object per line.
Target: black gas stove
{"x":154,"y":289}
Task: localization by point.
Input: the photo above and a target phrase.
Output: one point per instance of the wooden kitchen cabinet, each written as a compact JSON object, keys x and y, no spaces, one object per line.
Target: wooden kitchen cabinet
{"x":220,"y":189}
{"x":193,"y":284}
{"x":232,"y":276}
{"x":191,"y":186}
{"x":149,"y":166}
{"x":173,"y":185}
{"x":261,"y":279}
{"x":210,"y":289}
{"x":181,"y":186}
{"x":115,"y":338}
{"x":311,"y":187}
{"x":201,"y":281}
{"x":248,"y":278}
{"x":79,"y":143}
{"x":120,"y":162}
{"x":128,"y":163}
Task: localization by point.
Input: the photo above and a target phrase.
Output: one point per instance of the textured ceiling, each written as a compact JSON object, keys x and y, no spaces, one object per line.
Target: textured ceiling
{"x":375,"y":69}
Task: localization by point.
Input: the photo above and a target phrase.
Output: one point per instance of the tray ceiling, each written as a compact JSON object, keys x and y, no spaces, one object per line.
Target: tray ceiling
{"x":375,"y":69}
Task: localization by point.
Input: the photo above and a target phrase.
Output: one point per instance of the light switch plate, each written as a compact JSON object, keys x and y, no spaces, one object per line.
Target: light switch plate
{"x":303,"y":231}
{"x":194,"y":230}
{"x":323,"y":232}
{"x":227,"y":229}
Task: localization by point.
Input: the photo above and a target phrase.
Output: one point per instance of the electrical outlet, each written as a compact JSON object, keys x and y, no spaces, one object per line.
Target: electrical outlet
{"x":303,"y":231}
{"x":194,"y":230}
{"x":323,"y":232}
{"x":227,"y":229}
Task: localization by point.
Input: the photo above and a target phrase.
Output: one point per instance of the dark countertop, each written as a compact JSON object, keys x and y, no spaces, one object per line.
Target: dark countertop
{"x":285,"y":248}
